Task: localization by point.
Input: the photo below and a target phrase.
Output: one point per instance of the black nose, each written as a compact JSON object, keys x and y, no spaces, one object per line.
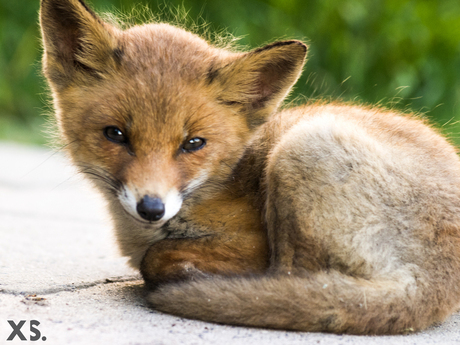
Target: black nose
{"x":151,"y":208}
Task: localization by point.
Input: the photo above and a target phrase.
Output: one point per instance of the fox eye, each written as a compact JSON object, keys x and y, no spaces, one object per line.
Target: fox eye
{"x":194,"y":144}
{"x":114,"y":134}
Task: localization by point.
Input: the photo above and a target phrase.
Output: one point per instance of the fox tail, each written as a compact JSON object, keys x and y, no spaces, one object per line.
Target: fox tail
{"x":323,"y":301}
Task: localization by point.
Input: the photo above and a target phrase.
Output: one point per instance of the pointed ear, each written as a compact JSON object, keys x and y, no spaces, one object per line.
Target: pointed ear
{"x":77,"y":44}
{"x":258,"y":81}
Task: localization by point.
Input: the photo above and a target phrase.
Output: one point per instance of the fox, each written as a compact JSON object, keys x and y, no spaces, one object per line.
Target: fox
{"x":324,"y":217}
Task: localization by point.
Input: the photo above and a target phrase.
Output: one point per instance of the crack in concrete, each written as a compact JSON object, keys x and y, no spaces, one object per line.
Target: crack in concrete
{"x":71,"y":287}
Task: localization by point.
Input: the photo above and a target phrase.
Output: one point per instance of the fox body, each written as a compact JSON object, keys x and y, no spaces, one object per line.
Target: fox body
{"x":324,"y":217}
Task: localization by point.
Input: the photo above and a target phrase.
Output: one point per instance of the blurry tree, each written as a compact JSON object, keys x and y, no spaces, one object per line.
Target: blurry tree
{"x":399,"y":53}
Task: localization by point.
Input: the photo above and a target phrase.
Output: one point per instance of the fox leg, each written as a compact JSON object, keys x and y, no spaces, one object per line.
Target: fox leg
{"x":290,"y":207}
{"x":293,"y":247}
{"x":328,"y":191}
{"x":188,"y":259}
{"x":167,"y":261}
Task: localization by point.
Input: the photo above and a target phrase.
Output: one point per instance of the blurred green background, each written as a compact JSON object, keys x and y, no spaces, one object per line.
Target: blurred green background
{"x":398,"y":53}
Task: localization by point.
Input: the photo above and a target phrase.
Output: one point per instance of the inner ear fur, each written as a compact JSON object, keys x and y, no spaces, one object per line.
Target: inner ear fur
{"x":258,"y":81}
{"x":77,"y":43}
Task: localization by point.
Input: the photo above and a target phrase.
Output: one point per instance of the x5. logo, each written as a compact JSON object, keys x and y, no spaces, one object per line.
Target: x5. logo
{"x":17,"y":330}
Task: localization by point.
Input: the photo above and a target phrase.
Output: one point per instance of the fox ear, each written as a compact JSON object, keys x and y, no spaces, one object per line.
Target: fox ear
{"x":258,"y":81}
{"x":77,"y":44}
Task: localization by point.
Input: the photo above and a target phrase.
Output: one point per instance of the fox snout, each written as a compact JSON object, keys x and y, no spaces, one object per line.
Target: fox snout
{"x":151,"y":208}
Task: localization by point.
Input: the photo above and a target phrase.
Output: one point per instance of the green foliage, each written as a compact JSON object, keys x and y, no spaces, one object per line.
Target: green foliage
{"x":399,"y":53}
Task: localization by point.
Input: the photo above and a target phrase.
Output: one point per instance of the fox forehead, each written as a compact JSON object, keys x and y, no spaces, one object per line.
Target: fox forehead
{"x":165,"y":51}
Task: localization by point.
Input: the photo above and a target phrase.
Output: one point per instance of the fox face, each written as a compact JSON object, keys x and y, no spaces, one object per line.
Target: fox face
{"x":153,"y":135}
{"x":154,"y":114}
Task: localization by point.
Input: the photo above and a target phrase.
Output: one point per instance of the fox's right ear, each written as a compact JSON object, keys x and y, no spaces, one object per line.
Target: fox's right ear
{"x":78,"y":45}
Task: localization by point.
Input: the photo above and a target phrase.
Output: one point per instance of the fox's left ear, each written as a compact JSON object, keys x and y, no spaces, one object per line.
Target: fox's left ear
{"x":258,"y":81}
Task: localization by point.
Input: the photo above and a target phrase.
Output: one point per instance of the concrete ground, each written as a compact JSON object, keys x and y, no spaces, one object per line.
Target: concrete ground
{"x":59,"y":266}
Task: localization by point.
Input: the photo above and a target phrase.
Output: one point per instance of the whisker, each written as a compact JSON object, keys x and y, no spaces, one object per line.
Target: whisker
{"x":61,"y":183}
{"x":110,"y":182}
{"x":48,"y":158}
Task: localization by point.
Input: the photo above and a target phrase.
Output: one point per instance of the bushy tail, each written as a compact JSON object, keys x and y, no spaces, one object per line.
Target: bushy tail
{"x":324,"y":301}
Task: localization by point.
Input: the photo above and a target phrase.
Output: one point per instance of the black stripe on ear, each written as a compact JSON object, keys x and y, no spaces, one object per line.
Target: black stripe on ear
{"x":280,"y":44}
{"x":88,"y":9}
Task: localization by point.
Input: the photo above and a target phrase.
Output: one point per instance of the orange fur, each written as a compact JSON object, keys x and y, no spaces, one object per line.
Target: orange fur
{"x":325,"y":217}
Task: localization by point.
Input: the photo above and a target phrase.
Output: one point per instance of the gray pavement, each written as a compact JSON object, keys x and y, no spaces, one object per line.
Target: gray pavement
{"x":59,"y":265}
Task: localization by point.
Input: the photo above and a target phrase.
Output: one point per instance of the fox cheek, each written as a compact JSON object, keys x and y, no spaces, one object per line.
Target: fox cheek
{"x":196,"y":183}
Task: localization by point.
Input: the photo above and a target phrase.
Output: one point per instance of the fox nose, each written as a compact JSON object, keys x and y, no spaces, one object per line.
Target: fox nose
{"x":151,"y":208}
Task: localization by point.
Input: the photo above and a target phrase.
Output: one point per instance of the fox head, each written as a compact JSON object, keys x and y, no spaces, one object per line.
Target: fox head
{"x":154,"y":113}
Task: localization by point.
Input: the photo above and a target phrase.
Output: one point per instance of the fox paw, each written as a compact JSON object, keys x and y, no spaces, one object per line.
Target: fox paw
{"x":161,"y":267}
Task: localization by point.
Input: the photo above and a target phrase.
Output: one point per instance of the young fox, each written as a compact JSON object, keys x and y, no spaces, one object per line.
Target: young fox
{"x":325,"y":217}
